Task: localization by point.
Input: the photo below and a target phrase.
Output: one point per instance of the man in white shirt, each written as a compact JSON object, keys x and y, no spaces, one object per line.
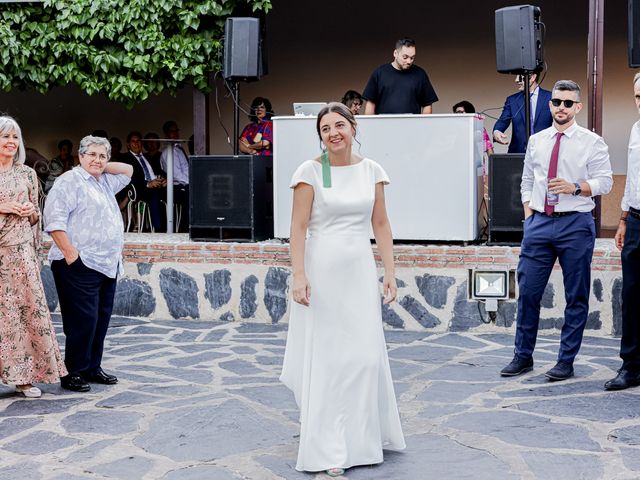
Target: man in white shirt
{"x":570,"y":163}
{"x":628,"y":241}
{"x":180,"y":174}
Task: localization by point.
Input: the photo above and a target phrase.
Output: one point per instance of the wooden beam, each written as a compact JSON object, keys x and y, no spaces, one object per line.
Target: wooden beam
{"x":594,"y":79}
{"x":200,"y":122}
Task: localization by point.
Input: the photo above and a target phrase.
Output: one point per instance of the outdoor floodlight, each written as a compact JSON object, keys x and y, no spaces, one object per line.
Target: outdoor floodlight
{"x":489,"y":286}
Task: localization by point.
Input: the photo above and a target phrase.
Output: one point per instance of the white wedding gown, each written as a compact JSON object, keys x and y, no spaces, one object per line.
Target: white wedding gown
{"x":336,"y":359}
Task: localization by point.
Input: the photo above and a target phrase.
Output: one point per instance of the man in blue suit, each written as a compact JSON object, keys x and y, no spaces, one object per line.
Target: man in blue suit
{"x":513,"y":113}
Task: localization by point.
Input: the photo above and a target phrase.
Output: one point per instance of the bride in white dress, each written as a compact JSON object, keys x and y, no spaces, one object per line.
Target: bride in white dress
{"x":336,"y":360}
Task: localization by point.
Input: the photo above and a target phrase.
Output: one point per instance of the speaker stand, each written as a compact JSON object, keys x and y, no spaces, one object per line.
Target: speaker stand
{"x":527,"y":108}
{"x":235,"y":94}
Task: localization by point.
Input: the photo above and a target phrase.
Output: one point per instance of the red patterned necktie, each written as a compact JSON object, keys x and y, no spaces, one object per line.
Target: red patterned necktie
{"x":553,"y":171}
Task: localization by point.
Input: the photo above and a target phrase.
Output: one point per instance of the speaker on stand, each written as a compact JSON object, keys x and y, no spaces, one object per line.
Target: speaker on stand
{"x":519,"y":47}
{"x":506,"y":214}
{"x":231,"y":197}
{"x":244,"y":60}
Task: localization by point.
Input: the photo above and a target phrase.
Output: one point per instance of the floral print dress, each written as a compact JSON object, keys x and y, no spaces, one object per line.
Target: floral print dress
{"x":29,"y":351}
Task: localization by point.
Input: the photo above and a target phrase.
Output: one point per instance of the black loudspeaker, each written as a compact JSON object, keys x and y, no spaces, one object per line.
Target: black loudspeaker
{"x":506,"y":214}
{"x":244,"y":55}
{"x":518,"y":39}
{"x":231,"y":197}
{"x":634,"y":33}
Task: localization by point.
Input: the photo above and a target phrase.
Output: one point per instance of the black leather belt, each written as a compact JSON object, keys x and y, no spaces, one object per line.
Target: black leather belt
{"x":558,"y":214}
{"x":634,"y":213}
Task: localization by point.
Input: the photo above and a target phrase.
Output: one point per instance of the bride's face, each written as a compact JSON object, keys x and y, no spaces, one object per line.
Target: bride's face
{"x":336,"y":132}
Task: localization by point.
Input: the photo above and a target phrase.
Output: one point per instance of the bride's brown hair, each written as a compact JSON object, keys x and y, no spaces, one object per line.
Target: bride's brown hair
{"x":340,"y":109}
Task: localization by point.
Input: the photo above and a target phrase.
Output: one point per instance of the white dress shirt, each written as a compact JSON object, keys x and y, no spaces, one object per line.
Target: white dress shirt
{"x":583,"y":157}
{"x":534,"y":105}
{"x":141,"y":159}
{"x":631,"y":196}
{"x":180,"y":164}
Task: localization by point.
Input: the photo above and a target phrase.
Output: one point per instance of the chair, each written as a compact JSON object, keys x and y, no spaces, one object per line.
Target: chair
{"x":143,"y":216}
{"x":127,"y":213}
{"x":177,"y":215}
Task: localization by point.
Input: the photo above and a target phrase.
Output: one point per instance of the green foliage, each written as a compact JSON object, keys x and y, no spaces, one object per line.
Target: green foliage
{"x":126,"y":49}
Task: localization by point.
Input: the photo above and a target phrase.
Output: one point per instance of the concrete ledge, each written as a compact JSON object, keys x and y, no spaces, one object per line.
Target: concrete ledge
{"x":169,"y":276}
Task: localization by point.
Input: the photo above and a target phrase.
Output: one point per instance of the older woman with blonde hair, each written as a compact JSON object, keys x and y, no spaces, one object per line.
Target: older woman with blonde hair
{"x":29,"y":351}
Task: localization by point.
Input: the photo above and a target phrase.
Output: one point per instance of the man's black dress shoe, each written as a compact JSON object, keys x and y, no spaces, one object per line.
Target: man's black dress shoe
{"x":624,"y":379}
{"x":75,"y":383}
{"x":99,"y":376}
{"x":518,"y":366}
{"x":561,"y":371}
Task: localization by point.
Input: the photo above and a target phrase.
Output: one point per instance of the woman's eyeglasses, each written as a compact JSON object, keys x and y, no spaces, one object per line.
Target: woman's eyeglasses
{"x":94,"y":155}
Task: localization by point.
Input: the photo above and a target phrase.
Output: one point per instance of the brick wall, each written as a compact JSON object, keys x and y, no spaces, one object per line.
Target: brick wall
{"x":169,"y":276}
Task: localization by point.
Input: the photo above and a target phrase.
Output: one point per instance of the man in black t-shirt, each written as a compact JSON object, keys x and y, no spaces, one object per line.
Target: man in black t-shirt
{"x":399,"y":86}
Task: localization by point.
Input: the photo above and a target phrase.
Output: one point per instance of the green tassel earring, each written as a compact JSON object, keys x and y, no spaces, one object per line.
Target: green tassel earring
{"x":326,"y":170}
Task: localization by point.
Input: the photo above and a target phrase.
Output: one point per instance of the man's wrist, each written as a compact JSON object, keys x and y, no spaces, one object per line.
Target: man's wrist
{"x":577,"y":189}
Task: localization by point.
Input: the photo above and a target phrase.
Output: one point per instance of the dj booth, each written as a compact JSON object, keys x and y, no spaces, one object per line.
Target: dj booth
{"x":434,"y":163}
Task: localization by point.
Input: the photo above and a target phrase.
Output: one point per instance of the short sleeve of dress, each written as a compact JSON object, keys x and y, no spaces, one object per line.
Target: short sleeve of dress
{"x":303,"y":174}
{"x":379,"y":174}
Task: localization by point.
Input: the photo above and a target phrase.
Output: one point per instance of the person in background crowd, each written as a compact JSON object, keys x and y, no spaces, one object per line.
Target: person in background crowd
{"x":513,"y":113}
{"x":83,"y":219}
{"x":467,"y":107}
{"x":180,"y":174}
{"x":353,"y":100}
{"x":627,"y":240}
{"x":60,"y":164}
{"x":116,"y":149}
{"x":257,"y":136}
{"x":29,"y":351}
{"x":150,"y":187}
{"x":564,"y":167}
{"x":400,"y":86}
{"x":152,"y":152}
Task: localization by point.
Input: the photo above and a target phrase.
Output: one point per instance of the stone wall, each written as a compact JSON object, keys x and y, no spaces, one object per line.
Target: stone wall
{"x":166,"y":276}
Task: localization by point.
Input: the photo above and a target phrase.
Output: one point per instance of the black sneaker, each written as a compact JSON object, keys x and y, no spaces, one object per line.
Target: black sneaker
{"x":518,"y":366}
{"x":561,"y":371}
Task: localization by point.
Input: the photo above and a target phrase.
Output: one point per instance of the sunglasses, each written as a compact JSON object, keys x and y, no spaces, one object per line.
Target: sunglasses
{"x":556,"y":102}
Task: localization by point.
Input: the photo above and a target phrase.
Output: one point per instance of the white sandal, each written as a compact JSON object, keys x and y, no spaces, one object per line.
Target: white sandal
{"x":31,"y":392}
{"x":335,"y":472}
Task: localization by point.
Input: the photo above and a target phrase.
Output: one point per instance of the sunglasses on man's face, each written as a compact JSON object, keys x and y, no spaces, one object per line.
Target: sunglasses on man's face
{"x":556,"y":102}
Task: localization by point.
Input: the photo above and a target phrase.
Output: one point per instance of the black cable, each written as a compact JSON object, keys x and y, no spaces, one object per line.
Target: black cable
{"x":218,"y":110}
{"x":237,"y":102}
{"x":484,"y":112}
{"x":480,"y":313}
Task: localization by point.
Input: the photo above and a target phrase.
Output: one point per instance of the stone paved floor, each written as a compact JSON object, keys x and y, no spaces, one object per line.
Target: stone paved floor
{"x":201,"y":401}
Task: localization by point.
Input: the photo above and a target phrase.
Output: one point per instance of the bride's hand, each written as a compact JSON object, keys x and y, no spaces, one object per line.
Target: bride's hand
{"x":389,"y":288}
{"x":301,"y":290}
